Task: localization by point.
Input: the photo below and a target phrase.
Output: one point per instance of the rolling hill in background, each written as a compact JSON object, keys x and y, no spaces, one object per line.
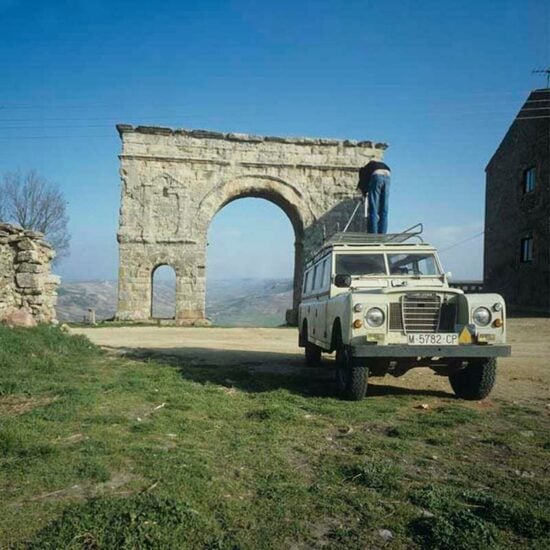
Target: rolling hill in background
{"x":229,"y":302}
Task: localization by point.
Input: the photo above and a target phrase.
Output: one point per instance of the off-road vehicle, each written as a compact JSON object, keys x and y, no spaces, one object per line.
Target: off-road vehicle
{"x":383,"y":303}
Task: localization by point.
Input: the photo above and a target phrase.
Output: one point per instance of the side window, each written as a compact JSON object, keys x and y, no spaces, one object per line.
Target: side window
{"x":306,"y":281}
{"x":526,"y":252}
{"x":326,"y":273}
{"x":529,"y":180}
{"x":322,"y":275}
{"x":315,"y":279}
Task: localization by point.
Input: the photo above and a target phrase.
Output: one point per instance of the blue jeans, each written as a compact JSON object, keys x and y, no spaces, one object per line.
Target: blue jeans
{"x":378,"y":197}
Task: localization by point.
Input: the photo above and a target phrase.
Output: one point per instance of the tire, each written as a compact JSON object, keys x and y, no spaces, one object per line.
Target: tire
{"x":351,"y":380}
{"x":475,"y":381}
{"x":313,"y":354}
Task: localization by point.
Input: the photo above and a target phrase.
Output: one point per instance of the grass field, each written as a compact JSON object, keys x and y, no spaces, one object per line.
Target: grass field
{"x":100,"y":451}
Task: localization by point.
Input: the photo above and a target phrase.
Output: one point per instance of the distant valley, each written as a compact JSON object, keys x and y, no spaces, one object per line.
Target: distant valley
{"x":229,"y":302}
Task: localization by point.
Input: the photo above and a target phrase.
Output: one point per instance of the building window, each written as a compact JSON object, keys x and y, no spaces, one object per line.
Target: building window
{"x":529,"y":180}
{"x":526,"y":254}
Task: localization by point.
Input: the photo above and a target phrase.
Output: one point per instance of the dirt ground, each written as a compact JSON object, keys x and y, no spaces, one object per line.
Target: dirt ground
{"x":523,"y":378}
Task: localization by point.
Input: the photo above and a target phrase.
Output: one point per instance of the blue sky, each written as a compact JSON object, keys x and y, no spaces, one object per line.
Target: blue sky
{"x":439,"y":81}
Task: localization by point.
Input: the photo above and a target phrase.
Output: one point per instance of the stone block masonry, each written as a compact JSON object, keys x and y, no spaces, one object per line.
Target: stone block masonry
{"x":514,"y":213}
{"x":175,"y":181}
{"x":26,"y":283}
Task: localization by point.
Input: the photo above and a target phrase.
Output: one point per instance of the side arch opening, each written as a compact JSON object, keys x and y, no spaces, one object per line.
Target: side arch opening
{"x":163,"y":292}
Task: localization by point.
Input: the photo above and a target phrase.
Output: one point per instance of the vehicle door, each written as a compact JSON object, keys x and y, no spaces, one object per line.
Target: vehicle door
{"x":322,"y":301}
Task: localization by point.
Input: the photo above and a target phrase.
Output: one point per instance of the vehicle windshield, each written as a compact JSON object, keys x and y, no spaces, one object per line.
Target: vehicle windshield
{"x":412,"y":264}
{"x":360,"y":264}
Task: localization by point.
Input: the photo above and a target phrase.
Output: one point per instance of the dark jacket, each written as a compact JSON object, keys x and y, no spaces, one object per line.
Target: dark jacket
{"x":366,"y":172}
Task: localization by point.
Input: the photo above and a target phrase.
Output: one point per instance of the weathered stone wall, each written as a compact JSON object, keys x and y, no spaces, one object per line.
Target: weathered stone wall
{"x":175,"y":181}
{"x":511,"y":214}
{"x":26,"y":283}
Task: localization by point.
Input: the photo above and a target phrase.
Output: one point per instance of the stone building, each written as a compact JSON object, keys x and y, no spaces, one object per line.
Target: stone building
{"x":26,"y":285}
{"x":517,"y":215}
{"x":175,"y":181}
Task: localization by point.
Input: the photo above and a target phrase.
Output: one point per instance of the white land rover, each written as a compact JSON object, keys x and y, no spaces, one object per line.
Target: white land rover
{"x":384,"y":305}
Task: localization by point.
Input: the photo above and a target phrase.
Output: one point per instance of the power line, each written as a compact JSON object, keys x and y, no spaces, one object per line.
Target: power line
{"x":57,"y":137}
{"x":106,"y":105}
{"x":546,"y":72}
{"x":462,"y":241}
{"x":188,"y":120}
{"x":77,"y":119}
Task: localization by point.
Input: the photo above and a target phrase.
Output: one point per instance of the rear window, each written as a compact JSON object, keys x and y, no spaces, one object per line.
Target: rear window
{"x":360,"y":264}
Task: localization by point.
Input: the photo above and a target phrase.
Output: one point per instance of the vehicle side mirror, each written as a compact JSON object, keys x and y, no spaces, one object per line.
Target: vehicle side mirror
{"x":342,"y":280}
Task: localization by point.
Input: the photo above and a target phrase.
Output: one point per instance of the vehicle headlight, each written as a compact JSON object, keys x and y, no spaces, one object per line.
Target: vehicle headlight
{"x":497,"y":306}
{"x":374,"y":317}
{"x":482,"y":316}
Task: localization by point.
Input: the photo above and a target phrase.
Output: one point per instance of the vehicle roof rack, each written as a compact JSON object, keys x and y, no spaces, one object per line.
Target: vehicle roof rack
{"x":376,"y":238}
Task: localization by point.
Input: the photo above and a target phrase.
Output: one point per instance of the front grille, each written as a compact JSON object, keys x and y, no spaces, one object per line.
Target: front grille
{"x":396,"y":318}
{"x":421,"y":312}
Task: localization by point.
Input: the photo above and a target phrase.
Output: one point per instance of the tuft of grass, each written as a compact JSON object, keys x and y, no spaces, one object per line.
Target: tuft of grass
{"x":460,"y":530}
{"x":531,"y":522}
{"x":92,"y":470}
{"x":375,"y":473}
{"x":143,"y":521}
{"x":276,"y":413}
{"x":20,"y":444}
{"x":432,"y":425}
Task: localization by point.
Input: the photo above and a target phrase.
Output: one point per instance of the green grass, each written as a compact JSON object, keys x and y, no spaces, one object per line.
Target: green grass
{"x":104,"y":452}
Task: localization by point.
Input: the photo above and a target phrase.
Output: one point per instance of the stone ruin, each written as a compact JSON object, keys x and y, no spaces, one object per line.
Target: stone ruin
{"x":28,"y":290}
{"x":175,"y":181}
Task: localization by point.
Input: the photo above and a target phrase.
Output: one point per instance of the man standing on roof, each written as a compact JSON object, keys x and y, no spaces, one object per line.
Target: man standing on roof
{"x":374,"y":184}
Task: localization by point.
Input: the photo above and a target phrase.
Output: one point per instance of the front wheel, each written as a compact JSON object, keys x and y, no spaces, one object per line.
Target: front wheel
{"x":476,"y":380}
{"x":351,"y":380}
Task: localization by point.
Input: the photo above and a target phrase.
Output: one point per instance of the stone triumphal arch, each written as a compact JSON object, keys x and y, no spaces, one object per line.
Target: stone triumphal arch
{"x":175,"y":181}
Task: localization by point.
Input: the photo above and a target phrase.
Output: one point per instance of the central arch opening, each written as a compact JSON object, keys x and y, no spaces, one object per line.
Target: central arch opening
{"x":250,"y":264}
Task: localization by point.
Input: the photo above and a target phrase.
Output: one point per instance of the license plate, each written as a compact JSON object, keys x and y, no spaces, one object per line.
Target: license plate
{"x":448,"y":339}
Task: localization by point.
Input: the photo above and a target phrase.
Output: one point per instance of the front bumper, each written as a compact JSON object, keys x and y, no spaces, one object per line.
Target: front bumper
{"x":404,"y":350}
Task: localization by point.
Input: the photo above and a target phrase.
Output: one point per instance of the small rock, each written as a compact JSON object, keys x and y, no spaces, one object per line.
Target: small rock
{"x":423,"y":406}
{"x":434,"y":457}
{"x":427,"y":514}
{"x":385,"y":534}
{"x":345,"y":430}
{"x":20,"y":318}
{"x":524,"y":473}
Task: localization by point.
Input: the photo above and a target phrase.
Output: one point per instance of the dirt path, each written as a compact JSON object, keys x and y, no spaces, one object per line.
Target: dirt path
{"x":525,"y":377}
